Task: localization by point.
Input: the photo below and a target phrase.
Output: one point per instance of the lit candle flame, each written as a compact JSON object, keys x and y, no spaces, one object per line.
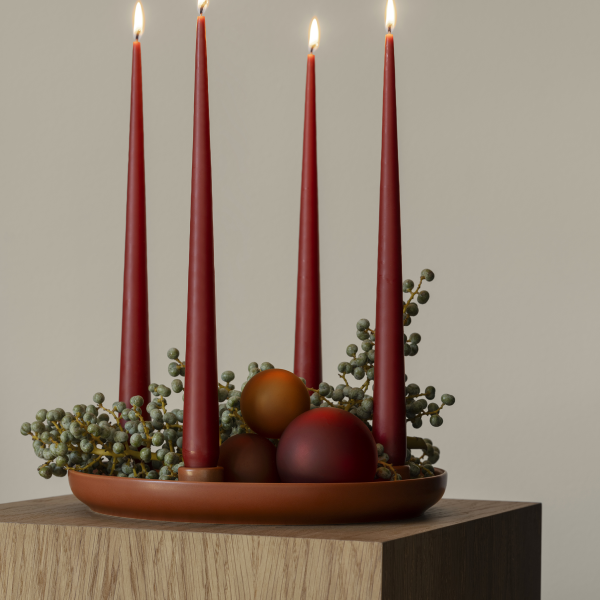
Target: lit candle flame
{"x":202,"y":6}
{"x":138,"y":21}
{"x":313,"y":38}
{"x":390,"y":15}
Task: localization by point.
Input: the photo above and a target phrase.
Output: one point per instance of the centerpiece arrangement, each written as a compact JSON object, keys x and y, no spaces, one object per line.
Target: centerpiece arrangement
{"x":285,"y":442}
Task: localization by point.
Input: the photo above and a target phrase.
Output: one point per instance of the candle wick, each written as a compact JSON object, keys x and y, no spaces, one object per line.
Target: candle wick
{"x":389,"y":29}
{"x":201,"y":10}
{"x":137,"y":36}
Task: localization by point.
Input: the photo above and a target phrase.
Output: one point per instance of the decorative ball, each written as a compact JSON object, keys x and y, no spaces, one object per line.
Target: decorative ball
{"x":271,"y":400}
{"x":327,"y":445}
{"x":248,"y":458}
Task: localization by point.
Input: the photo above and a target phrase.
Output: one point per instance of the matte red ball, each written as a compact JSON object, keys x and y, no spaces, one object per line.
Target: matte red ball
{"x":271,"y":400}
{"x":327,"y":445}
{"x":248,"y":458}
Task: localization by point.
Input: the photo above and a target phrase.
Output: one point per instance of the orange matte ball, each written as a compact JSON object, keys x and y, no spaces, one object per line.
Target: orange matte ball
{"x":248,"y":458}
{"x":271,"y":400}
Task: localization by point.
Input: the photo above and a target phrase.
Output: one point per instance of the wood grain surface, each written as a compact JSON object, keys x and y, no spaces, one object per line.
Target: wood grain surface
{"x":492,"y":558}
{"x":57,"y":548}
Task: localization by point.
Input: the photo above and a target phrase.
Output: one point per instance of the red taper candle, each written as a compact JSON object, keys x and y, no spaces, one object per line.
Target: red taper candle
{"x":201,"y":423}
{"x":389,"y":413}
{"x":135,"y":337}
{"x":307,"y":360}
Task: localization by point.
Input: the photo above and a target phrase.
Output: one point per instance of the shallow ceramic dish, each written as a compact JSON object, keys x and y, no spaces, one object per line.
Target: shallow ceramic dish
{"x":258,"y":503}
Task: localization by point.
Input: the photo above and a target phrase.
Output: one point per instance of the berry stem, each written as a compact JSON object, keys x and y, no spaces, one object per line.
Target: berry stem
{"x":413,"y":294}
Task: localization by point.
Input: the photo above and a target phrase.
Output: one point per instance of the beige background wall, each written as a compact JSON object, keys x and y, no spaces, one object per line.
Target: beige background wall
{"x":499,"y":112}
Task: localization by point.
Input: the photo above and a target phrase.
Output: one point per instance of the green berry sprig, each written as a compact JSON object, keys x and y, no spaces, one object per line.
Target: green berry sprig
{"x":360,"y":365}
{"x":419,"y":467}
{"x":422,"y":466}
{"x":385,"y":470}
{"x":86,"y":440}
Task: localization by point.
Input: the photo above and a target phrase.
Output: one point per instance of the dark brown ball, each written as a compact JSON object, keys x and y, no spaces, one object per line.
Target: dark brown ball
{"x":271,"y":400}
{"x":248,"y":458}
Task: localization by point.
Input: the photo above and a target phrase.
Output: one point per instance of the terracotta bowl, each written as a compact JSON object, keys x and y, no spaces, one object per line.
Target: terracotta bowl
{"x":258,"y":503}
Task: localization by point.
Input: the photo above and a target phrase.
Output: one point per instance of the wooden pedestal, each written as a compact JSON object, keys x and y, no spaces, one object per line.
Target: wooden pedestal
{"x":56,"y":548}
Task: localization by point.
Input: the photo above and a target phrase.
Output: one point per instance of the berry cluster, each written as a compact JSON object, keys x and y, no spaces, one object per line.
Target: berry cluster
{"x":86,"y":440}
{"x":355,"y":397}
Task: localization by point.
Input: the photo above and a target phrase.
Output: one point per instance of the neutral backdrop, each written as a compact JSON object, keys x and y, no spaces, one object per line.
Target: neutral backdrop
{"x":499,"y":132}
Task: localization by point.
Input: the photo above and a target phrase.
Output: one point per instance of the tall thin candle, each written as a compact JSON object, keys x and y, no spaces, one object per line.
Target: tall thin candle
{"x":389,"y":415}
{"x":307,"y":360}
{"x":200,"y":427}
{"x":135,"y":342}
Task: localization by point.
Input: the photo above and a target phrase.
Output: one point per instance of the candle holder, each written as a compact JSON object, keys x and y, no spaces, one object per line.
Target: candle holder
{"x":133,"y":466}
{"x":199,"y":475}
